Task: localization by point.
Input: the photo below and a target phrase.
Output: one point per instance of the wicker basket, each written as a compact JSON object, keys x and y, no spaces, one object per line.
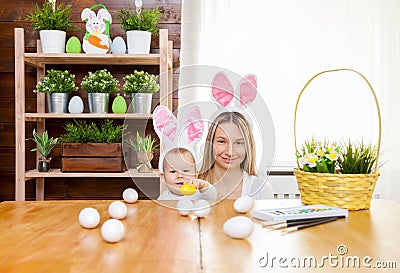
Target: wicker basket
{"x":349,"y":191}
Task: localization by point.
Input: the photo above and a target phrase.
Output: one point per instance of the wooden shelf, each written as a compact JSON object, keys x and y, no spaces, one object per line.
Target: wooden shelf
{"x":58,"y":173}
{"x":41,"y":59}
{"x":39,"y":116}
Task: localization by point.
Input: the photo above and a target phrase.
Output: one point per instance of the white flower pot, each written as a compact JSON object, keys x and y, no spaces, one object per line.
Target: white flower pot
{"x":53,"y":41}
{"x":138,"y":41}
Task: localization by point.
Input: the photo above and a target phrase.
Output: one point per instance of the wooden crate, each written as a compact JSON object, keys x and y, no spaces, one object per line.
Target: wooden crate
{"x":92,"y":157}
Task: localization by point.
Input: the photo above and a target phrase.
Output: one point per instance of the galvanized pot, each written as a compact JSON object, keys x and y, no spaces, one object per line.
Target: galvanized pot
{"x":57,"y":102}
{"x":98,"y":102}
{"x":141,"y":102}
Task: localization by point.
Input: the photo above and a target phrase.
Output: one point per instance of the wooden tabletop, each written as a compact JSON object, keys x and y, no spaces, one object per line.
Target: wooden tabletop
{"x":46,"y":237}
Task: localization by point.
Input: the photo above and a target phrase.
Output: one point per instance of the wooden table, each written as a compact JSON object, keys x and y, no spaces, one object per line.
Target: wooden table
{"x":46,"y":237}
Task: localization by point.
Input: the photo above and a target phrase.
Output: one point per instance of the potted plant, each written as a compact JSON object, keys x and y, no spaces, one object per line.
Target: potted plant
{"x":144,"y":147}
{"x":141,"y":85}
{"x":52,"y":21}
{"x":139,"y":26}
{"x":44,"y":147}
{"x":57,"y":85}
{"x":99,"y":85}
{"x":331,"y":175}
{"x":87,"y":147}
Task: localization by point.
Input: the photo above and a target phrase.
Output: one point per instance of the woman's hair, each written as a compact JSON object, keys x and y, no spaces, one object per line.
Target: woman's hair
{"x":249,"y":163}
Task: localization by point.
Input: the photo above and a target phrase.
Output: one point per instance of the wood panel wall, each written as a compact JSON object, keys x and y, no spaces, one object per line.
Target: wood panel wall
{"x":12,"y":15}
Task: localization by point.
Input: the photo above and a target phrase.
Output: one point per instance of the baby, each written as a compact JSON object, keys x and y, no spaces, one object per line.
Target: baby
{"x":179,"y":168}
{"x":178,"y":161}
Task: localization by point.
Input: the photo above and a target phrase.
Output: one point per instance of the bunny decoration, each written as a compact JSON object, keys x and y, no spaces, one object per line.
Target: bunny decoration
{"x":224,"y":95}
{"x":174,"y":135}
{"x":95,"y":41}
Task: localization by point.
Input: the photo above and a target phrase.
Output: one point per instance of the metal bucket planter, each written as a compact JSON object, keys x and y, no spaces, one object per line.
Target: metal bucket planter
{"x":57,"y":102}
{"x":98,"y":102}
{"x":141,"y":102}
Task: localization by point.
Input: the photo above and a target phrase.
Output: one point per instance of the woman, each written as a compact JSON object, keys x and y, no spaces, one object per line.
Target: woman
{"x":230,"y":159}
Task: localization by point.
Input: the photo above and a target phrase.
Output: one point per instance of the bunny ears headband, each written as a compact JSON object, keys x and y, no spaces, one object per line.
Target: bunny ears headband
{"x":224,"y":95}
{"x":174,"y":135}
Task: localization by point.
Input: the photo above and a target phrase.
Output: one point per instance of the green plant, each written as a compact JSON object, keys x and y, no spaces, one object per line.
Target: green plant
{"x":146,"y":20}
{"x":44,"y":143}
{"x":101,"y":81}
{"x":51,"y":17}
{"x":143,"y":144}
{"x":57,"y":81}
{"x":358,"y":158}
{"x":317,"y":156}
{"x":82,"y":132}
{"x":141,"y":82}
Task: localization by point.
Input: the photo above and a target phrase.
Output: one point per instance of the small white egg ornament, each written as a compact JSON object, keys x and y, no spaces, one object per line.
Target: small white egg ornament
{"x":112,"y":230}
{"x":130,"y":195}
{"x":75,"y":105}
{"x":89,"y":218}
{"x":243,"y":204}
{"x":184,"y":206}
{"x":117,"y":210}
{"x":238,"y":227}
{"x":201,"y":208}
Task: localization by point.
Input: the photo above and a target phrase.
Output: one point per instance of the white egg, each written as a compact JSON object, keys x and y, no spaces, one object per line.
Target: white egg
{"x":117,"y":210}
{"x":118,"y":46}
{"x":201,"y":208}
{"x":89,"y":218}
{"x":238,"y":227}
{"x":75,"y":105}
{"x":130,"y":195}
{"x":184,"y":206}
{"x":243,"y":204}
{"x":112,"y":230}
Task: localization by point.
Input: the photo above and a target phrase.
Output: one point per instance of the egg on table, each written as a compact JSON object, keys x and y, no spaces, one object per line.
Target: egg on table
{"x":243,"y":204}
{"x":89,"y":218}
{"x":130,"y":195}
{"x":112,"y":230}
{"x":201,"y":208}
{"x":238,"y":227}
{"x":184,"y":206}
{"x":117,"y":210}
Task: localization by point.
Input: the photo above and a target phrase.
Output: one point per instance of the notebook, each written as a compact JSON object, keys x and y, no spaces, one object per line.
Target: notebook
{"x":300,"y":212}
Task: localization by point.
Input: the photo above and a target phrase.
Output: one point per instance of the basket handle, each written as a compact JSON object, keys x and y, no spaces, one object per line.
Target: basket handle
{"x":372,"y":91}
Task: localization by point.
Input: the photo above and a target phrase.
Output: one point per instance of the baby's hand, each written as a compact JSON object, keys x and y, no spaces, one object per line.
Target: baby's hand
{"x":201,"y":185}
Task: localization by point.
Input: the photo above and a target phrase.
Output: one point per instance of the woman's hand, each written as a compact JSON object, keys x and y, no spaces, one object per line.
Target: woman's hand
{"x":201,"y":185}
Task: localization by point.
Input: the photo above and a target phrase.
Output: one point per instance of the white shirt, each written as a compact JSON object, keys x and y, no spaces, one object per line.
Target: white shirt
{"x":256,"y":187}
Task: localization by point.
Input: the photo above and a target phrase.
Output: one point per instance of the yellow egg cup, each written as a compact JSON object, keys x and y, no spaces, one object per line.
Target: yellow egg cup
{"x":187,"y":189}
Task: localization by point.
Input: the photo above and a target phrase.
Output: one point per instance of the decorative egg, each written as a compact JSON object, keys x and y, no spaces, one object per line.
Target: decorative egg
{"x":243,"y":204}
{"x":201,"y":208}
{"x":73,"y":45}
{"x":112,"y":230}
{"x":130,"y":195}
{"x":89,"y":218}
{"x":184,"y":206}
{"x":75,"y":105}
{"x":187,"y":189}
{"x":118,"y":46}
{"x":238,"y":227}
{"x":119,"y":105}
{"x":117,"y":210}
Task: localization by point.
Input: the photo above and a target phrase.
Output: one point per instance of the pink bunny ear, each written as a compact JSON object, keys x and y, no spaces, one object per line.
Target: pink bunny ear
{"x":248,"y":89}
{"x":164,"y":123}
{"x":195,"y":126}
{"x":222,"y":90}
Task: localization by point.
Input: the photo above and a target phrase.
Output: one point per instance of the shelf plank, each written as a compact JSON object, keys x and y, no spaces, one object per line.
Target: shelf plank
{"x":41,"y":59}
{"x":39,"y":116}
{"x":58,"y":173}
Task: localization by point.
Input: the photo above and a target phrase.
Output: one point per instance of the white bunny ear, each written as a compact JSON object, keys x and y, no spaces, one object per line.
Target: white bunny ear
{"x":248,"y":89}
{"x":194,"y":128}
{"x":103,"y":14}
{"x":222,"y":89}
{"x":164,"y":123}
{"x":87,"y":14}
